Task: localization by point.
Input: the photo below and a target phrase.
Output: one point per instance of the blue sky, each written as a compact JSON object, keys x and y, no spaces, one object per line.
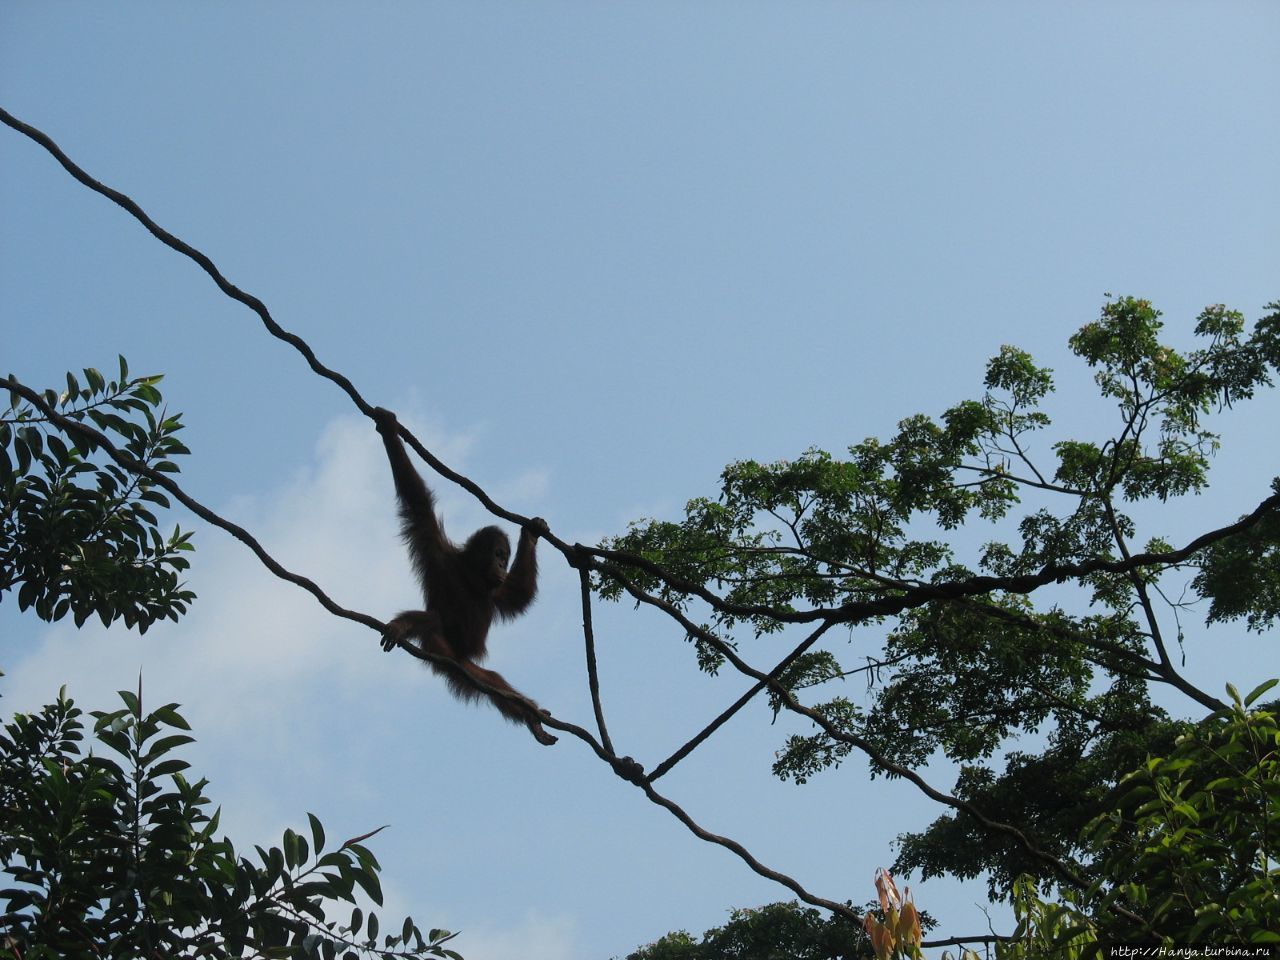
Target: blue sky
{"x":591,"y":253}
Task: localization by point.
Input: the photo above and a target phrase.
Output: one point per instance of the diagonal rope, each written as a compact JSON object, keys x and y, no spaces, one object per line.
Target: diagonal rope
{"x":624,"y":767}
{"x":597,"y":559}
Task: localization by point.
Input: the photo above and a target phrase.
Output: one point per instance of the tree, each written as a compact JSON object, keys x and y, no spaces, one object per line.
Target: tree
{"x":1189,"y":846}
{"x":78,"y":535}
{"x":970,"y":657}
{"x":1191,"y":843}
{"x":777,"y":931}
{"x":114,"y":853}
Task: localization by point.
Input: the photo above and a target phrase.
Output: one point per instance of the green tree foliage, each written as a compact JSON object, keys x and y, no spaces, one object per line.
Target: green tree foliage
{"x":113,"y":854}
{"x":1046,"y":931}
{"x":77,"y":532}
{"x":1192,"y":844}
{"x":778,"y":931}
{"x":961,"y":654}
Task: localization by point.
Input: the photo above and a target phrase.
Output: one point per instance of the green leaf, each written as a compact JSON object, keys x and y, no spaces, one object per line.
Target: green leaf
{"x":57,"y":448}
{"x":167,"y":767}
{"x":131,"y":701}
{"x":27,"y":594}
{"x":169,"y":715}
{"x":317,"y":833}
{"x":368,"y":881}
{"x":163,"y":745}
{"x":1259,"y":690}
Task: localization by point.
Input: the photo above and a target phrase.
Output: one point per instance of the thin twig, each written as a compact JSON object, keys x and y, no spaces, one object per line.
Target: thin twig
{"x":1153,"y":671}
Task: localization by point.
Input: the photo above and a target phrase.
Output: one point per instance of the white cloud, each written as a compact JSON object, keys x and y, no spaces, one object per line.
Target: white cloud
{"x":257,"y":660}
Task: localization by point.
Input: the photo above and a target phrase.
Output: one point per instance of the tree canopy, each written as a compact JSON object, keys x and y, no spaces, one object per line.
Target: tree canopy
{"x":114,"y":853}
{"x":947,"y":550}
{"x":78,"y":534}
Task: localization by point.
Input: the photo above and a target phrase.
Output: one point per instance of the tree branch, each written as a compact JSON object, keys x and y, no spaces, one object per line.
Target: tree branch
{"x":1165,"y":668}
{"x":917,"y":596}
